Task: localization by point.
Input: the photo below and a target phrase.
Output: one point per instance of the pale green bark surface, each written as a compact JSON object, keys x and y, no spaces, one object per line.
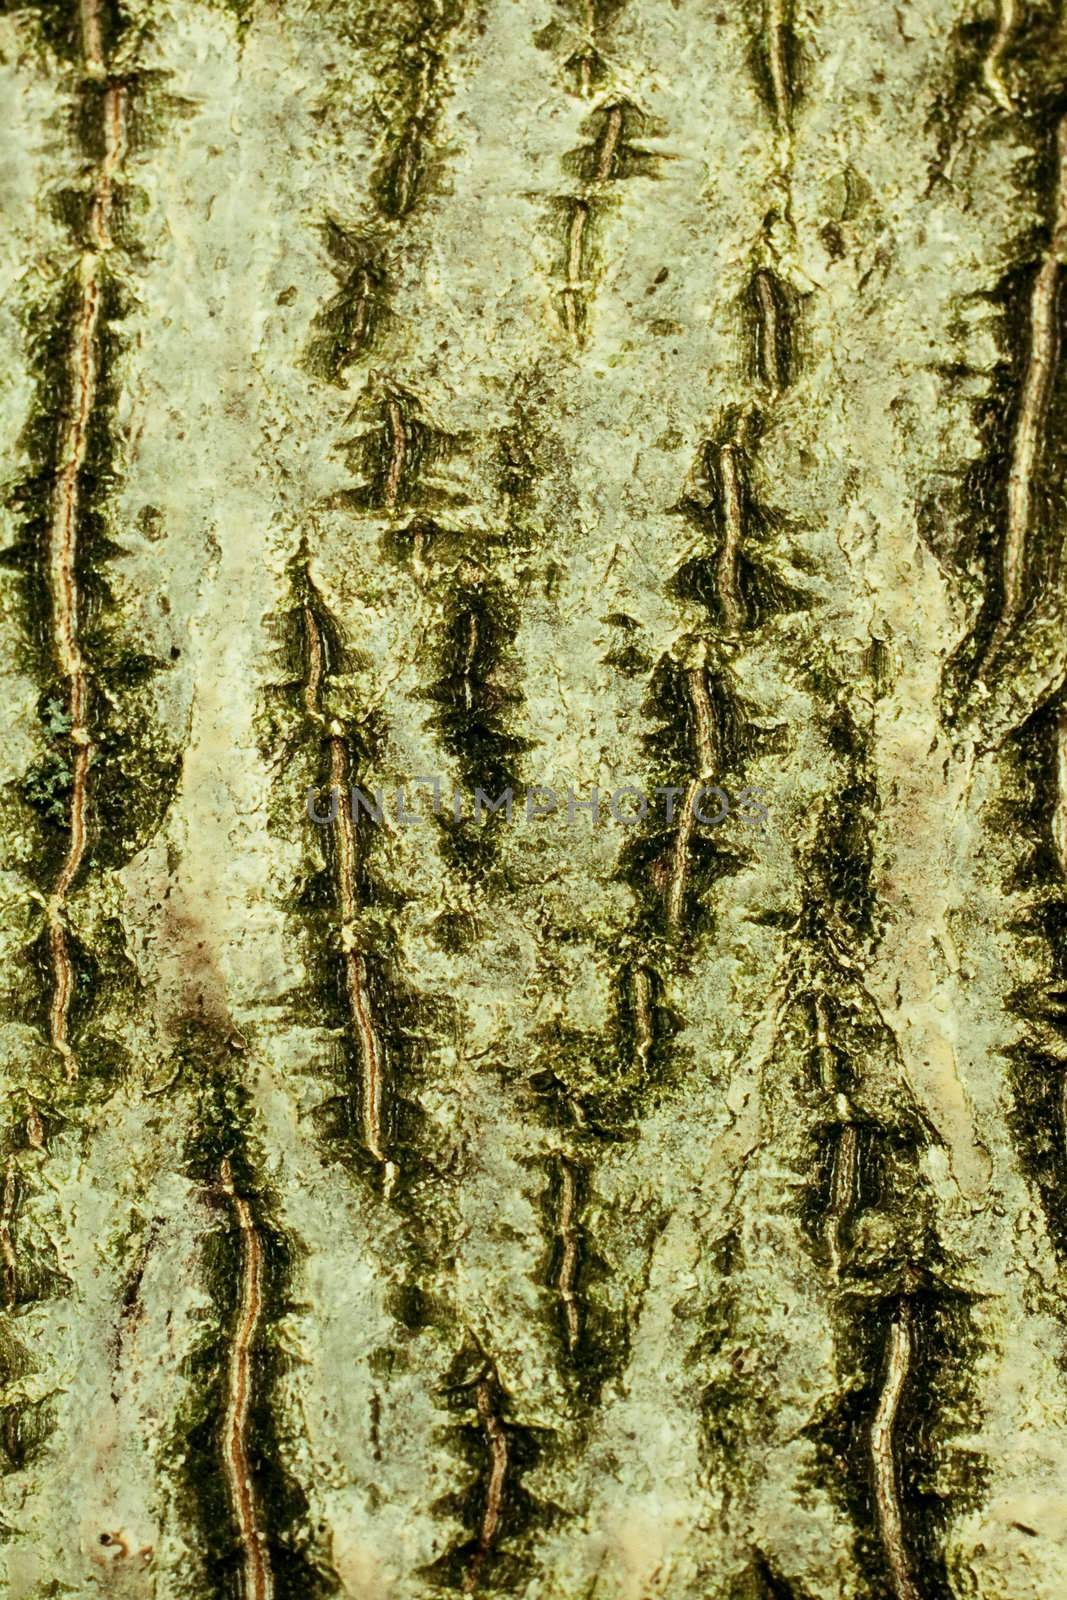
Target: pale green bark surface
{"x":569,"y":394}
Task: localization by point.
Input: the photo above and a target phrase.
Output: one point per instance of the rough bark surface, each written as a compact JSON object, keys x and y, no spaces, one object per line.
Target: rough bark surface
{"x":580,"y":393}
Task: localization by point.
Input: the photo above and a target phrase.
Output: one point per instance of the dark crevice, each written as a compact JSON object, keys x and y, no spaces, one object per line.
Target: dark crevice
{"x":223,"y":1133}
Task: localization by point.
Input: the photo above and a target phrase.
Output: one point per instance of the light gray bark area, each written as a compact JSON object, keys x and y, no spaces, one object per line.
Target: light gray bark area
{"x":700,"y":1248}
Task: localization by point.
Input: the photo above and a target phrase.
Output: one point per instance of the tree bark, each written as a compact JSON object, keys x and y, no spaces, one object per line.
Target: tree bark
{"x":655,"y":1187}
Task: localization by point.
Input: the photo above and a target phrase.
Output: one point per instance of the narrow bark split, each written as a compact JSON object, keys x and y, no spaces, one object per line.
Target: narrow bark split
{"x":343,"y":786}
{"x":66,"y":518}
{"x":258,"y":1581}
{"x":1043,"y":348}
{"x":496,"y":1446}
{"x":883,"y":1459}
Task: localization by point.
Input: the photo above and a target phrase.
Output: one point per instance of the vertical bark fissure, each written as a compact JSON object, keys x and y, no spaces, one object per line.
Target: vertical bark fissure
{"x":777,"y":56}
{"x":7,"y":1247}
{"x":844,"y":1164}
{"x":641,"y":991}
{"x":360,"y":1011}
{"x":842,"y":890}
{"x":258,"y":1579}
{"x":398,"y":446}
{"x":1034,"y":400}
{"x":1059,"y":808}
{"x":63,"y":533}
{"x":898,"y":1356}
{"x":607,"y":157}
{"x":496,"y":1447}
{"x":1005,"y":27}
{"x":569,"y":1237}
{"x":396,"y":190}
{"x":726,"y":572}
{"x":704,"y":747}
{"x":399,"y":183}
{"x":769,"y":335}
{"x":587,"y":60}
{"x":574,"y":289}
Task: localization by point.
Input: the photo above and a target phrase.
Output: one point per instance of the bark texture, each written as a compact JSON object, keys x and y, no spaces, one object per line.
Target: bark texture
{"x":580,"y":393}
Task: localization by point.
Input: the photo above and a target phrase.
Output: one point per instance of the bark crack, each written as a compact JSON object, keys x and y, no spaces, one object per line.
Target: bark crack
{"x":1006,"y":18}
{"x":1030,"y":430}
{"x":63,"y":536}
{"x":705,"y":748}
{"x":357,"y":997}
{"x":258,"y":1578}
{"x":883,"y":1458}
{"x":496,"y":1447}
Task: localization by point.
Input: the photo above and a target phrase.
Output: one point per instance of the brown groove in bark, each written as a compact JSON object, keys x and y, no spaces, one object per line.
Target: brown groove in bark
{"x":13,"y":1288}
{"x":1006,"y":18}
{"x":641,"y":990}
{"x":364,"y":293}
{"x":870,"y":1165}
{"x":496,"y":1447}
{"x":770,"y":360}
{"x":1059,"y":812}
{"x":898,"y":1356}
{"x":606,"y":157}
{"x":7,"y":1248}
{"x":587,"y":61}
{"x":468,"y":660}
{"x":1028,"y":439}
{"x":258,"y":1579}
{"x":844,"y":1178}
{"x":1033,"y":773}
{"x":827,"y":1076}
{"x":569,"y":1246}
{"x":34,"y":1129}
{"x":778,"y":25}
{"x":355,"y":973}
{"x":399,"y":178}
{"x":773,"y":304}
{"x":607,"y":144}
{"x":360,"y":1012}
{"x":844,"y":1167}
{"x":63,"y":536}
{"x":573,"y":292}
{"x":235,"y":1427}
{"x":398,"y":442}
{"x":726,"y":566}
{"x":609,"y":157}
{"x":736,"y":576}
{"x":495,"y":1507}
{"x":347,"y":326}
{"x":705,"y":751}
{"x":474,"y":687}
{"x":392,"y":455}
